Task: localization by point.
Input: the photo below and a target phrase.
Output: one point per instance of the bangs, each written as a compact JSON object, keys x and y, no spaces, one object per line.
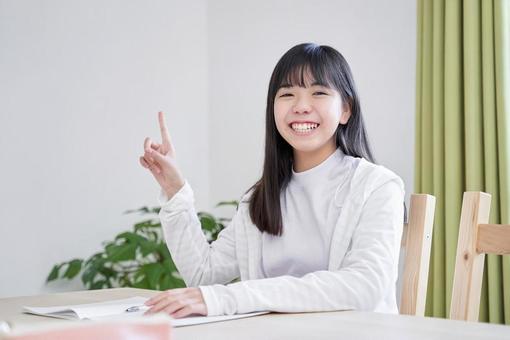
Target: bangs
{"x":304,"y":69}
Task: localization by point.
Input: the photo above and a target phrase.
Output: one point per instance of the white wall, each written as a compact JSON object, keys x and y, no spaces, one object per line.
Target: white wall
{"x":81,"y":83}
{"x":246,"y":39}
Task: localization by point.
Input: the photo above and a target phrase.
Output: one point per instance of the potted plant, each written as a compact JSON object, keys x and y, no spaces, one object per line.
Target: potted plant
{"x":136,"y":258}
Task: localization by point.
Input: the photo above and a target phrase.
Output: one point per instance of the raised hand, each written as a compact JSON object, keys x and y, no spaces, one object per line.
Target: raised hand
{"x":160,"y":160}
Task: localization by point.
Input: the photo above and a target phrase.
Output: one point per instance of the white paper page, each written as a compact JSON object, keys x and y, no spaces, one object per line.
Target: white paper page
{"x":196,"y":320}
{"x":116,"y":310}
{"x":189,"y":321}
{"x":90,"y":310}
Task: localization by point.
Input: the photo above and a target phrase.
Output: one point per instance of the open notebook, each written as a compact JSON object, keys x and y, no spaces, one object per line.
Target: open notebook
{"x":124,"y":308}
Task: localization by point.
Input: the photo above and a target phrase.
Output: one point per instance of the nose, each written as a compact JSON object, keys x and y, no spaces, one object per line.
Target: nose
{"x":302,"y":105}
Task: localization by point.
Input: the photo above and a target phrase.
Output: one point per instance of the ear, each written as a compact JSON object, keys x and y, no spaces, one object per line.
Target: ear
{"x":346,"y":114}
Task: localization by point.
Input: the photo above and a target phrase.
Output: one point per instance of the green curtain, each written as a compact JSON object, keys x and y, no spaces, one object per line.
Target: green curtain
{"x":463,"y":134}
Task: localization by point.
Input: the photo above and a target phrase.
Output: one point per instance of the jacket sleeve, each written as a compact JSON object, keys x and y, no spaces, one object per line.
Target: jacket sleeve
{"x":368,"y":270}
{"x":198,"y":261}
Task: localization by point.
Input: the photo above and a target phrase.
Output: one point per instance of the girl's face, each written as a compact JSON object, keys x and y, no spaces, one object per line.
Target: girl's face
{"x":307,"y":117}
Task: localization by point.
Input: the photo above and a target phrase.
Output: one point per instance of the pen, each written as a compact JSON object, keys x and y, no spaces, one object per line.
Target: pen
{"x":136,"y":308}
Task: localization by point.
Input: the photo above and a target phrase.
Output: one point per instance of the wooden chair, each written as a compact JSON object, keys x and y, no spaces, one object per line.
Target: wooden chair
{"x":476,"y":238}
{"x":416,"y":242}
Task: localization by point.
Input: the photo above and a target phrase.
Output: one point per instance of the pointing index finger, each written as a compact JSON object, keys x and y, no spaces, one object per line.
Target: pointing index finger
{"x":165,"y":135}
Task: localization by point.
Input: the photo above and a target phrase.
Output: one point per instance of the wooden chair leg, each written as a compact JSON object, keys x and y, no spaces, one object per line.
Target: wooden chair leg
{"x":418,"y":239}
{"x":467,"y":280}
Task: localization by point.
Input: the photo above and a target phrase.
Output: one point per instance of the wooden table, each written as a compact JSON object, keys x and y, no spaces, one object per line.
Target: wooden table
{"x":331,"y":325}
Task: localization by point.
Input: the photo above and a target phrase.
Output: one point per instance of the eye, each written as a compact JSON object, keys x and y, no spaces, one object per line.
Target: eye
{"x":320,"y":93}
{"x":285,"y":95}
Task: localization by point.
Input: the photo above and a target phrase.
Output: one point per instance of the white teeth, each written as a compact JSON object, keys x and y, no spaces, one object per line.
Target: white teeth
{"x":304,"y":126}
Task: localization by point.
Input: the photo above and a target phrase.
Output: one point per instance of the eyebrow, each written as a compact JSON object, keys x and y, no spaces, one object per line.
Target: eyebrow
{"x":313,"y":84}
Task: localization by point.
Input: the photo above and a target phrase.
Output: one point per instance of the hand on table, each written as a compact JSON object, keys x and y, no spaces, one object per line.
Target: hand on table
{"x":178,"y":302}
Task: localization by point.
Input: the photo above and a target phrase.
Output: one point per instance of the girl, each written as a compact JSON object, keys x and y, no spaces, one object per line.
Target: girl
{"x":320,"y":230}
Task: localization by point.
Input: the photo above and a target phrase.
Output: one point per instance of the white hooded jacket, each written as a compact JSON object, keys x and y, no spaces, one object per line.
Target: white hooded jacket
{"x":363,"y":259}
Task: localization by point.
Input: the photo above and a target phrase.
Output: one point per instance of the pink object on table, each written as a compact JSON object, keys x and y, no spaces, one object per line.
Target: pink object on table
{"x":113,"y":330}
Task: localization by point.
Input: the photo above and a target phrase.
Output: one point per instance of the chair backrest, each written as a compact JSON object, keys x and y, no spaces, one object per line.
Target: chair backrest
{"x":416,"y":243}
{"x":476,"y":238}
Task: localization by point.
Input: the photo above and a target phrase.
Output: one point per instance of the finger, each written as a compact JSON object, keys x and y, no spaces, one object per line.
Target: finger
{"x":155,"y":146}
{"x":149,"y":161}
{"x":144,"y":163}
{"x":168,"y":305}
{"x":185,"y":311}
{"x":147,"y":143}
{"x":147,"y":147}
{"x":165,"y":135}
{"x":149,"y":155}
{"x":156,"y":298}
{"x":175,"y":306}
{"x":153,"y":167}
{"x":155,"y":156}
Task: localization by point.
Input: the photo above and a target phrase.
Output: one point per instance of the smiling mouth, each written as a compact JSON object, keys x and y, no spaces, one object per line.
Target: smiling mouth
{"x":304,"y":127}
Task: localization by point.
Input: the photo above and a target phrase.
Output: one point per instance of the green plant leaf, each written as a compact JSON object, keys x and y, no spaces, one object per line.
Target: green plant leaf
{"x":88,"y":275}
{"x":232,"y":203}
{"x":169,"y":266}
{"x":122,"y":252}
{"x":168,"y":281}
{"x":141,"y":210}
{"x":99,"y":284}
{"x":53,"y":274}
{"x":163,"y":251}
{"x":107,"y":272}
{"x":125,"y":282}
{"x":147,"y":247}
{"x":92,"y":267}
{"x":208,"y":222}
{"x":140,"y":279}
{"x":147,"y":224}
{"x":153,"y":236}
{"x":153,"y":272}
{"x":205,"y":214}
{"x":93,"y":258}
{"x":73,"y":268}
{"x":143,"y":284}
{"x":144,"y":210}
{"x":130,"y":237}
{"x":142,"y":225}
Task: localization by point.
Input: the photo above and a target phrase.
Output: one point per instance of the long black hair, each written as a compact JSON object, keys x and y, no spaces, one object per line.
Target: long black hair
{"x":327,"y":66}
